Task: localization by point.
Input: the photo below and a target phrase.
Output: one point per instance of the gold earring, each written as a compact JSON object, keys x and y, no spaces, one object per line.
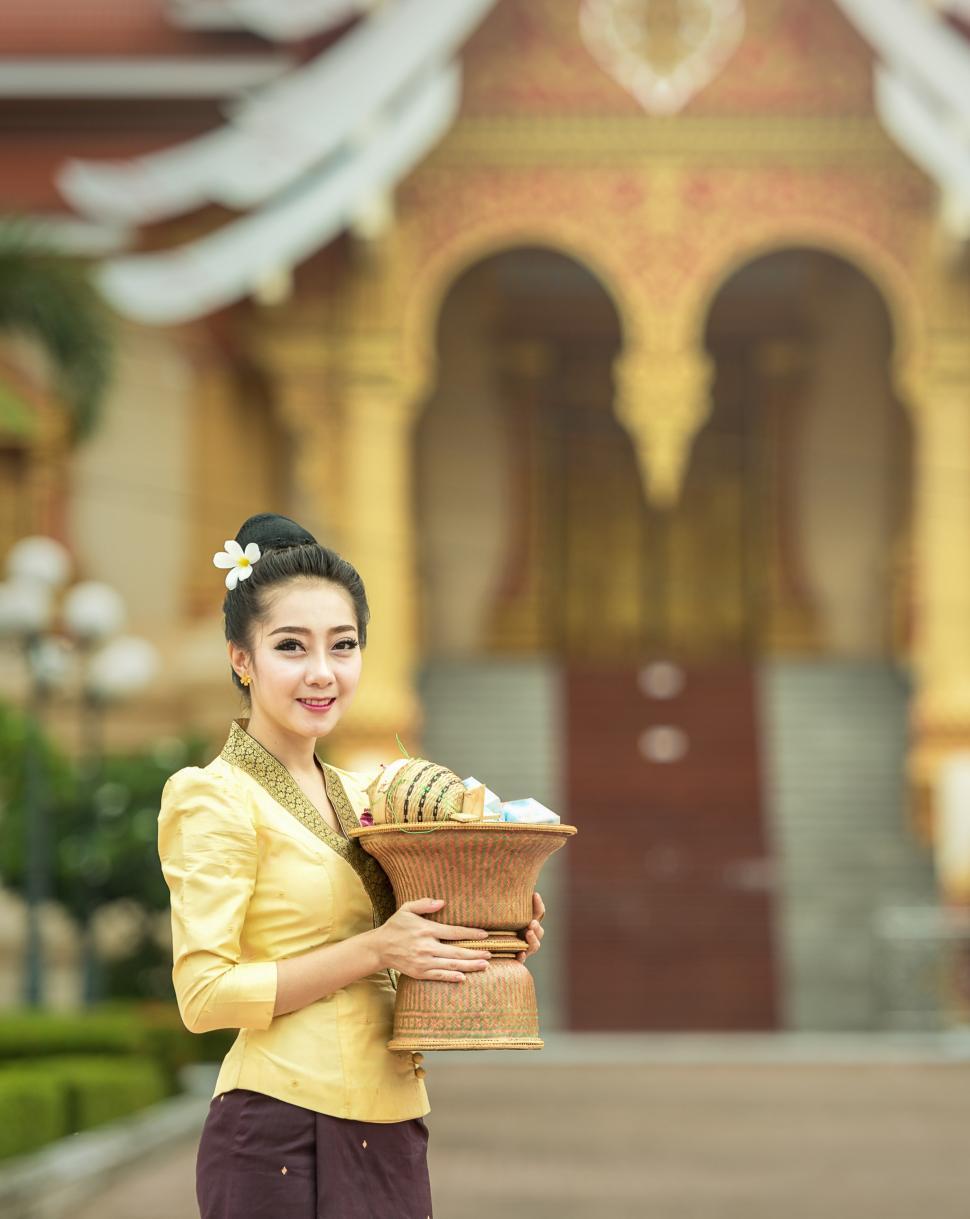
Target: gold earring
{"x":245,"y":679}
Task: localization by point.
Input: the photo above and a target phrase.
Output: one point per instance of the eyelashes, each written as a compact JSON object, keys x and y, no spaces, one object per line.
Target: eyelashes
{"x":350,"y":645}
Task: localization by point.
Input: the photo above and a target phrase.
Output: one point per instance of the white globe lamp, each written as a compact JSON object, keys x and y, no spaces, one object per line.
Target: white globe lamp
{"x":122,"y":667}
{"x":93,"y":611}
{"x":26,"y":607}
{"x":39,"y":559}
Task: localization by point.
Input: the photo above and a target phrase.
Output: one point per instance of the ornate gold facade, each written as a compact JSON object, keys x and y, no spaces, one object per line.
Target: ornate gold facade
{"x":780,"y":150}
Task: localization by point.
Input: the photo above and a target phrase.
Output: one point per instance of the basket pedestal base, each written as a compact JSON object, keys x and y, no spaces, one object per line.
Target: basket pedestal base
{"x":493,"y":1009}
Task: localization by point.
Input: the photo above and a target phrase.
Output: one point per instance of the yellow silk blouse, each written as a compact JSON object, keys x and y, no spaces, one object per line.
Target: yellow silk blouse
{"x":256,"y":875}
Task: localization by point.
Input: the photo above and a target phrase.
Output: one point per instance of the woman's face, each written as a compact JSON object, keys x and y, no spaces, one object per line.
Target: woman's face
{"x":305,"y":654}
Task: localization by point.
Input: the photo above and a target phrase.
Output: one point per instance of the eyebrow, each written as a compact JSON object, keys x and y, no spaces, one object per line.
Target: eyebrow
{"x":302,"y":630}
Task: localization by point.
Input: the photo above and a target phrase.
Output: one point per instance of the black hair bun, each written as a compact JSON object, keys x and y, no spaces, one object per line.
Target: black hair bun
{"x":270,"y":531}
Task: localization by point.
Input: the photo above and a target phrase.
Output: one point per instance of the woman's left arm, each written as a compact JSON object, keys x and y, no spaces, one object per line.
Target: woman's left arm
{"x":533,"y":933}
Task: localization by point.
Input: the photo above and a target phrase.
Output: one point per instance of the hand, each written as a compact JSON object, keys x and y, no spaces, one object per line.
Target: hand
{"x":413,"y":945}
{"x":533,"y":933}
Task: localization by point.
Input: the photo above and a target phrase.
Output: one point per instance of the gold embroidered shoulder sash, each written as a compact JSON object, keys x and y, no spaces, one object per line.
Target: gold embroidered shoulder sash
{"x":248,"y":754}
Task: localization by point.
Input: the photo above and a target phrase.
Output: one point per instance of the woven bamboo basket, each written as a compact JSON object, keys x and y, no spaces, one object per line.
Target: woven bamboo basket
{"x":486,"y":872}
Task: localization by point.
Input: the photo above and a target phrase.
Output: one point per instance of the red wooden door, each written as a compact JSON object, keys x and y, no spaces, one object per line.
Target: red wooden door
{"x":670,"y":914}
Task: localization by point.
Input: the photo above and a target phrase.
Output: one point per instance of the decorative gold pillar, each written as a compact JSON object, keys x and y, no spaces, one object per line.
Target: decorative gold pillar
{"x":349,"y":414}
{"x":298,"y":359}
{"x":940,"y":396}
{"x":662,"y":399}
{"x":377,"y":528}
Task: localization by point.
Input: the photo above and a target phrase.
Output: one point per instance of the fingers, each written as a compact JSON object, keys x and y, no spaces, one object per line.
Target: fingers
{"x":446,"y":970}
{"x":444,"y":931}
{"x":423,"y":905}
{"x":457,"y":963}
{"x":469,"y":954}
{"x":533,"y":935}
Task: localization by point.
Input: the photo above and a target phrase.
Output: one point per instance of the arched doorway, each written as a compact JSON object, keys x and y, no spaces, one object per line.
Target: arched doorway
{"x":805,"y":418}
{"x":514,"y":450}
{"x":812,"y":451}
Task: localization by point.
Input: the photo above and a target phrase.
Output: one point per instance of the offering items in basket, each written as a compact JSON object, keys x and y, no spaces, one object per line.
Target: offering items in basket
{"x":492,"y":804}
{"x":413,"y":790}
{"x":528,"y":812}
{"x":525,"y":812}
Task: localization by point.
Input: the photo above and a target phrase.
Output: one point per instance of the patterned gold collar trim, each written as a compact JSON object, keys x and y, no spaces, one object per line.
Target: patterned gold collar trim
{"x":255,"y":759}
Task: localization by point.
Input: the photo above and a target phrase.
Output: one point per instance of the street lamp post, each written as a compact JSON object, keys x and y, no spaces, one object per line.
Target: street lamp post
{"x":36,"y":567}
{"x":111,"y":667}
{"x":92,"y":613}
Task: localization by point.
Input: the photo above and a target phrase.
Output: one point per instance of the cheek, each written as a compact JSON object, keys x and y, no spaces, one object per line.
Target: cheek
{"x":281,"y":669}
{"x":351,"y":671}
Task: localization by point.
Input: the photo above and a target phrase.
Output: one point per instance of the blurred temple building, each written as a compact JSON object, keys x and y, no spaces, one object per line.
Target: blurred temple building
{"x":624,"y":347}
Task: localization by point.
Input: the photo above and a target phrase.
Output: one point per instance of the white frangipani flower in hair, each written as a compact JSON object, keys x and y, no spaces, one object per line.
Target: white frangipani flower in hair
{"x":240,"y":562}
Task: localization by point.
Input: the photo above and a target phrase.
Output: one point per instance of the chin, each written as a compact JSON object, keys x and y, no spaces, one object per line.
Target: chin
{"x":306,"y":726}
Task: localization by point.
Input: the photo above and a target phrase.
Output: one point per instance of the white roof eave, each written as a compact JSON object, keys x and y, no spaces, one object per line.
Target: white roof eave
{"x":939,"y":149}
{"x":279,"y":20}
{"x":225,"y":266}
{"x":147,"y":76}
{"x":917,"y":43}
{"x":278,"y":136}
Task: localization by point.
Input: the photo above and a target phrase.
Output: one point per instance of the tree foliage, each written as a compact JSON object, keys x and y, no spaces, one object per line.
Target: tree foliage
{"x":50,"y":298}
{"x":102,"y":828}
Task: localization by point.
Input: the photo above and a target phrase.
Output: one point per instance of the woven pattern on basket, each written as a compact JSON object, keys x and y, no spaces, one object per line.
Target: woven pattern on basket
{"x":414,"y":790}
{"x":492,"y":1007}
{"x":487,"y":873}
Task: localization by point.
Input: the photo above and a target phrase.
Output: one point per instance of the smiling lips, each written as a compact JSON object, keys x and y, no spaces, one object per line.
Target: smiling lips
{"x":317,"y":704}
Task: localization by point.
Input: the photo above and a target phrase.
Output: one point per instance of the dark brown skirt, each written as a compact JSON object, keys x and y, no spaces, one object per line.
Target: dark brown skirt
{"x":263,"y":1158}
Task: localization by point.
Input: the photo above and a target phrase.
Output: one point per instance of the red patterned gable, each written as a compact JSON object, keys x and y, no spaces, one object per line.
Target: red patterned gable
{"x":796,"y":57}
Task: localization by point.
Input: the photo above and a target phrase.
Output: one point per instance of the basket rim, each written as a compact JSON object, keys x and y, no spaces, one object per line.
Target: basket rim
{"x":459,"y":826}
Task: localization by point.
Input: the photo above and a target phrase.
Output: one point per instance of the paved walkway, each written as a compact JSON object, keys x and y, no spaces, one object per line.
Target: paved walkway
{"x":670,"y":1140}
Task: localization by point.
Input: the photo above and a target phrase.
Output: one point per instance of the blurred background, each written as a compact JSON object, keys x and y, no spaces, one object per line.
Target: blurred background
{"x":624,"y":347}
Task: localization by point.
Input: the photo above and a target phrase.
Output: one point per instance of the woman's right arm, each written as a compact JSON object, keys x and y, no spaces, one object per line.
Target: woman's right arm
{"x":208,"y":853}
{"x":406,"y":942}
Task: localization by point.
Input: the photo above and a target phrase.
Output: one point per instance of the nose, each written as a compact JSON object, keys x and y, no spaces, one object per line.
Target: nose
{"x":318,"y":670}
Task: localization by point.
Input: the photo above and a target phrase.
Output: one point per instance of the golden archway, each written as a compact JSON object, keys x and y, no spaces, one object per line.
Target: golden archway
{"x":871,"y":258}
{"x":435,"y":275}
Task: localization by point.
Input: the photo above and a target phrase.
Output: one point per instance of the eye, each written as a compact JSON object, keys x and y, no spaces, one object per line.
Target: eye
{"x":351,"y":643}
{"x":284,"y":645}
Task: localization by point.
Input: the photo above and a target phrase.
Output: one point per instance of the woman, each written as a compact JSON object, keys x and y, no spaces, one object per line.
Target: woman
{"x":284,"y":928}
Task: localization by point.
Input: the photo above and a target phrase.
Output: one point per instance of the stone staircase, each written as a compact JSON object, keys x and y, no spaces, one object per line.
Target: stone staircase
{"x":849,"y":868}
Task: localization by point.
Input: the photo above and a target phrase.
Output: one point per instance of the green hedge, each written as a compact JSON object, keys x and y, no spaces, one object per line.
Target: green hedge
{"x":62,"y":1072}
{"x":33,"y":1109}
{"x":25,"y":1033}
{"x":99,"y":1087}
{"x":153,"y":1029}
{"x":43,"y":1099}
